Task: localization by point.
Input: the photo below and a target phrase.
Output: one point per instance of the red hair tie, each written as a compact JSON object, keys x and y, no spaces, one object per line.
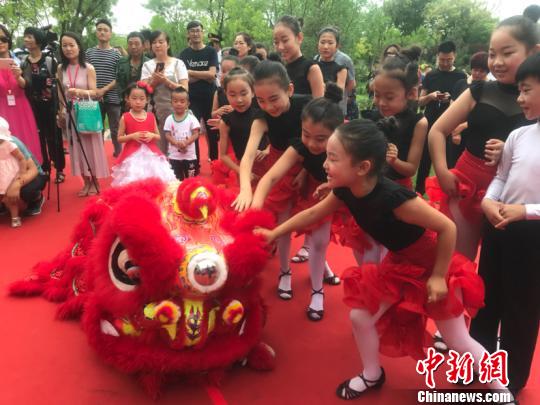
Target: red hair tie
{"x":146,"y":86}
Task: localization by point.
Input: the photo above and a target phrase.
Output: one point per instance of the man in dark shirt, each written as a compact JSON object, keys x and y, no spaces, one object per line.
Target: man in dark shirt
{"x":435,"y":95}
{"x":201,"y":62}
{"x":130,"y":67}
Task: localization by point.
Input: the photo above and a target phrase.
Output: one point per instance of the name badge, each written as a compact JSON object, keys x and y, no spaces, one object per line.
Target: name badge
{"x":11,"y":100}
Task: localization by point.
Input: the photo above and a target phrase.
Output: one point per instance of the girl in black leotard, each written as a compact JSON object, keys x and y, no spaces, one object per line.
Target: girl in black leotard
{"x":304,"y":73}
{"x":420,"y":277}
{"x":234,"y":129}
{"x":492,"y":112}
{"x":320,"y":118}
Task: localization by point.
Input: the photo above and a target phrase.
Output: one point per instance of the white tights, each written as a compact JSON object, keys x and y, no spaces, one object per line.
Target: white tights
{"x":318,"y":244}
{"x":284,"y":244}
{"x":454,"y":331}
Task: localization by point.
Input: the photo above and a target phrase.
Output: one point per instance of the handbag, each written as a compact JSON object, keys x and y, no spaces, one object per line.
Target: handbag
{"x":88,"y":116}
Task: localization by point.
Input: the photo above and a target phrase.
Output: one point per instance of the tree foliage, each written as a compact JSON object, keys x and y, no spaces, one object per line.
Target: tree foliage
{"x":406,"y":15}
{"x":69,"y":15}
{"x":367,"y":26}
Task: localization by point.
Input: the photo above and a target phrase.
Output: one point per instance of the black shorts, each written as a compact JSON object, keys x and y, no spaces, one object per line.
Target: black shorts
{"x":185,"y":168}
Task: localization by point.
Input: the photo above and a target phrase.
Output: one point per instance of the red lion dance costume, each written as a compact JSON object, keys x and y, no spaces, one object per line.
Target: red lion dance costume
{"x":164,"y":280}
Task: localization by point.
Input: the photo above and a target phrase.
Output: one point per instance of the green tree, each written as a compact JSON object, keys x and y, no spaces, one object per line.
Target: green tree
{"x":406,"y":15}
{"x":466,"y":22}
{"x":76,"y":15}
{"x":17,"y":15}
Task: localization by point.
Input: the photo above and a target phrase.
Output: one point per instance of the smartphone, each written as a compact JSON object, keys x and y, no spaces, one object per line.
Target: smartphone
{"x":160,"y":67}
{"x":6,"y":63}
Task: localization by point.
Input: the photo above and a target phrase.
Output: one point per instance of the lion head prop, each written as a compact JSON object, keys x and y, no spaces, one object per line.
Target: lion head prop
{"x":165,"y":280}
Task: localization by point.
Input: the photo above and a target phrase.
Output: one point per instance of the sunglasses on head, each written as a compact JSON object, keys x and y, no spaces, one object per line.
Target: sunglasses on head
{"x":5,"y":40}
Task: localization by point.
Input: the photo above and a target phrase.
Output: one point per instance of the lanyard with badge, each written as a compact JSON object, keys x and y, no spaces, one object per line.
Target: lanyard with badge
{"x":6,"y":66}
{"x":72,"y":82}
{"x":10,"y":99}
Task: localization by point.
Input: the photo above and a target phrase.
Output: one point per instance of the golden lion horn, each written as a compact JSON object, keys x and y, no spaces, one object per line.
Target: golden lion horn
{"x":201,"y":192}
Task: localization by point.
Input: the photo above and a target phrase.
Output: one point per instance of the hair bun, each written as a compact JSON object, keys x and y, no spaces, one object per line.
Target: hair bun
{"x":387,"y":125}
{"x":333,"y":92}
{"x":532,"y":12}
{"x":413,"y":53}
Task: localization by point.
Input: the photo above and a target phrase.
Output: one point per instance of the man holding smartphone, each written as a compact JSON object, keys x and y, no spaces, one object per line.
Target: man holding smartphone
{"x":435,"y":95}
{"x":202,"y":62}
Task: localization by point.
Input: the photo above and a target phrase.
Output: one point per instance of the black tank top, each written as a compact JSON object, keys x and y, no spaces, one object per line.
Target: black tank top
{"x":494,"y":116}
{"x":374,"y":214}
{"x":221,"y":97}
{"x":239,"y":124}
{"x":312,"y":163}
{"x":330,"y":70}
{"x":298,"y":73}
{"x":402,"y":138}
{"x":282,"y":129}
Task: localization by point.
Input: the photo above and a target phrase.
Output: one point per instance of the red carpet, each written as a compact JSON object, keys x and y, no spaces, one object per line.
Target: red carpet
{"x":45,"y":361}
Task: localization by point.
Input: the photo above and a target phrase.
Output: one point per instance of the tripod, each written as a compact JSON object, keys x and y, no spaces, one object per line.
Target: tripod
{"x":71,"y":124}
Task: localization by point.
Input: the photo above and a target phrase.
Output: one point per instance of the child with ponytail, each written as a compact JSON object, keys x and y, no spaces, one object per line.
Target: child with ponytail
{"x":420,"y":277}
{"x":320,"y":118}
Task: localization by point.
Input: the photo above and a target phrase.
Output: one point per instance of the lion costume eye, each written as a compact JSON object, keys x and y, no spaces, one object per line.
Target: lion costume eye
{"x":123,"y":272}
{"x":206,"y":270}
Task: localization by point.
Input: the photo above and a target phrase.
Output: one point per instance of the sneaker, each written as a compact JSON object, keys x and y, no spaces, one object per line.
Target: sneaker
{"x":34,"y":208}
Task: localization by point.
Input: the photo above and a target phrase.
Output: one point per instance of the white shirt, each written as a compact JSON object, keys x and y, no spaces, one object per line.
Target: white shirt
{"x":174,"y":71}
{"x":181,"y":130}
{"x":518,"y":175}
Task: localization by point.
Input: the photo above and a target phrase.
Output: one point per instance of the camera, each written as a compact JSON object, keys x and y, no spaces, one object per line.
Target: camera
{"x":51,"y":41}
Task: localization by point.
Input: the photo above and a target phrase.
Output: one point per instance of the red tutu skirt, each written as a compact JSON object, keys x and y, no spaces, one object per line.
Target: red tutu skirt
{"x":283,"y":194}
{"x":401,"y":281}
{"x":347,"y":232}
{"x":405,"y":182}
{"x":473,"y":180}
{"x":307,"y":200}
{"x":223,"y":176}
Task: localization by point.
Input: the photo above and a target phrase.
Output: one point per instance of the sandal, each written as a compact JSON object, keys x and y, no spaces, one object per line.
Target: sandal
{"x":301,"y":256}
{"x":284,"y":294}
{"x":84,"y":190}
{"x":439,"y":344}
{"x":344,"y":391}
{"x":16,"y":222}
{"x":313,"y":314}
{"x":329,"y":276}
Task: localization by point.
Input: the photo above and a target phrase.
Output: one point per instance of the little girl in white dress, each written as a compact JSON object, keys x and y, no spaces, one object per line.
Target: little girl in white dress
{"x":141,"y":157}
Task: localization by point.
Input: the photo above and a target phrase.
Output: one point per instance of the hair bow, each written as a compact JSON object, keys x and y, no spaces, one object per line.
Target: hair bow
{"x":143,"y":85}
